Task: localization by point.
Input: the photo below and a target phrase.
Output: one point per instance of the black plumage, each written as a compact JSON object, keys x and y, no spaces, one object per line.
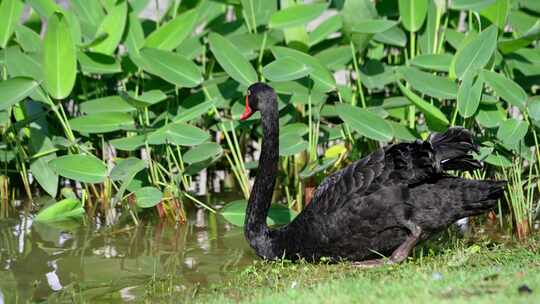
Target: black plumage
{"x":382,"y":204}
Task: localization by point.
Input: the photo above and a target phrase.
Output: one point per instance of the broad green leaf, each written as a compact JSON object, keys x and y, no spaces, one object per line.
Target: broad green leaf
{"x":429,"y":84}
{"x":134,"y":40}
{"x":475,"y":5}
{"x":497,"y":13}
{"x":511,"y":131}
{"x":20,"y":64}
{"x":257,"y":12}
{"x":101,"y":122}
{"x":127,"y":167}
{"x":196,"y":111}
{"x":44,"y":174}
{"x":296,"y":15}
{"x":353,"y":12}
{"x":512,"y":45}
{"x":14,"y":90}
{"x":98,"y":63}
{"x":335,"y":58}
{"x":29,"y":40}
{"x":235,"y":213}
{"x":291,"y":144}
{"x":413,"y":13}
{"x":285,"y":69}
{"x":506,"y":88}
{"x":428,"y":109}
{"x":66,"y":209}
{"x":144,"y":100}
{"x":113,"y":25}
{"x":80,"y":167}
{"x":373,"y":26}
{"x":476,"y":54}
{"x":130,"y":143}
{"x":469,"y":95}
{"x":90,"y":15}
{"x":394,"y":36}
{"x":147,"y":197}
{"x":172,"y":67}
{"x":365,"y":122}
{"x":10,"y":14}
{"x":327,"y":27}
{"x":324,"y":81}
{"x":299,"y":129}
{"x":179,"y":134}
{"x":45,"y":8}
{"x":59,"y":58}
{"x":202,"y":152}
{"x":490,"y":116}
{"x":106,"y":104}
{"x":171,"y":34}
{"x":434,"y":62}
{"x":231,"y":60}
{"x":533,"y":108}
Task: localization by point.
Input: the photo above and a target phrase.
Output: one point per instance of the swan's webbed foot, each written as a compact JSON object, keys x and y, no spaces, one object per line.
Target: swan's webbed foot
{"x":400,"y":254}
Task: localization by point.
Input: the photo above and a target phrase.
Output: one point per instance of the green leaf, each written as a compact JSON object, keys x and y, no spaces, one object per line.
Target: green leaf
{"x":67,"y":209}
{"x":29,"y":40}
{"x":469,"y":95}
{"x":373,"y":26}
{"x":433,"y":62}
{"x":45,"y":175}
{"x":101,"y":122}
{"x":428,"y":109}
{"x":147,"y":197}
{"x":59,"y":58}
{"x":45,"y":8}
{"x":533,"y":108}
{"x":284,"y":69}
{"x":231,"y":60}
{"x":202,"y":152}
{"x":127,"y":167}
{"x":474,"y":5}
{"x":490,"y":116}
{"x":512,"y":45}
{"x":235,"y":213}
{"x":130,"y":143}
{"x":506,"y":88}
{"x":429,"y":84}
{"x":394,"y":36}
{"x":296,"y":15}
{"x":98,"y":63}
{"x":365,"y":122}
{"x":14,"y":90}
{"x":113,"y":25}
{"x":168,"y":36}
{"x":144,"y":100}
{"x":80,"y":167}
{"x":172,"y":67}
{"x":10,"y":14}
{"x":327,"y":27}
{"x":511,"y":131}
{"x":196,"y":111}
{"x":179,"y":134}
{"x":413,"y":13}
{"x":257,"y":12}
{"x":476,"y":54}
{"x":291,"y":144}
{"x":497,"y":13}
{"x":106,"y":104}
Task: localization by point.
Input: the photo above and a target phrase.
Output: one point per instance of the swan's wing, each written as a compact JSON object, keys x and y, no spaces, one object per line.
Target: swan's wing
{"x":355,"y":178}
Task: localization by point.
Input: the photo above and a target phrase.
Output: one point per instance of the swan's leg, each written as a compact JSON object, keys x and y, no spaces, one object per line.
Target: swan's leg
{"x":400,"y":254}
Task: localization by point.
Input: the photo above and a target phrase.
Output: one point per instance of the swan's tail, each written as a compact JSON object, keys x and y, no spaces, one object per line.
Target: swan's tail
{"x":453,"y":148}
{"x":481,"y":196}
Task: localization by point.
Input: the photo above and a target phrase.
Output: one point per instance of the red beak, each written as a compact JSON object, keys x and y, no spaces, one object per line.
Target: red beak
{"x":247,"y":112}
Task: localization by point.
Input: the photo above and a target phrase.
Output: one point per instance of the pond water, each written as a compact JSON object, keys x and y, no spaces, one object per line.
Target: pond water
{"x":116,"y":263}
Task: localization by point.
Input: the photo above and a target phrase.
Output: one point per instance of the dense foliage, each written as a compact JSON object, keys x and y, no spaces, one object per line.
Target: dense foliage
{"x":130,"y":110}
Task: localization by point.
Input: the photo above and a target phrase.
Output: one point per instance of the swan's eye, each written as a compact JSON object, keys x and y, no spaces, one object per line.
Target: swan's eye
{"x":248,"y":92}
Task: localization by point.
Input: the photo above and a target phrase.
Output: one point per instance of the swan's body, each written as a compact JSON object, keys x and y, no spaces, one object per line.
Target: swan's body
{"x":382,"y":204}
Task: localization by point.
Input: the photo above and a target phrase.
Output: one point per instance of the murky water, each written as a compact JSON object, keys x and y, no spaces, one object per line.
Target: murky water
{"x":116,"y":264}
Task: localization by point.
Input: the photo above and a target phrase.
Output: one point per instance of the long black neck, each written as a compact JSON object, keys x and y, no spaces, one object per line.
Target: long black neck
{"x":255,"y":229}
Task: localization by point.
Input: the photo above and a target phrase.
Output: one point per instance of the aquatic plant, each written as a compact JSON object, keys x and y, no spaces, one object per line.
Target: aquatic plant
{"x":132,"y":112}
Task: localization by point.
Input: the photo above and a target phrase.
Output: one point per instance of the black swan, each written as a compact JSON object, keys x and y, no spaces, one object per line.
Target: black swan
{"x":383,"y":204}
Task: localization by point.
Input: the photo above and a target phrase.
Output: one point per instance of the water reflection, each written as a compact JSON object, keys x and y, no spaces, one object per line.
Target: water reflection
{"x":41,"y":262}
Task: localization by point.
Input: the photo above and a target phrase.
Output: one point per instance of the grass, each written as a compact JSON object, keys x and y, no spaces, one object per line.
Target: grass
{"x":460,"y":274}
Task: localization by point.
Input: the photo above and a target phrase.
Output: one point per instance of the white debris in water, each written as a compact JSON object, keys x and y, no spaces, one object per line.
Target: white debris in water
{"x":126,"y":295}
{"x":52,"y":277}
{"x":190,"y":262}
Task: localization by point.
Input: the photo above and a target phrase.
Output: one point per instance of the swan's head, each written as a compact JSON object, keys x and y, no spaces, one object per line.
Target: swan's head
{"x":258,"y":96}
